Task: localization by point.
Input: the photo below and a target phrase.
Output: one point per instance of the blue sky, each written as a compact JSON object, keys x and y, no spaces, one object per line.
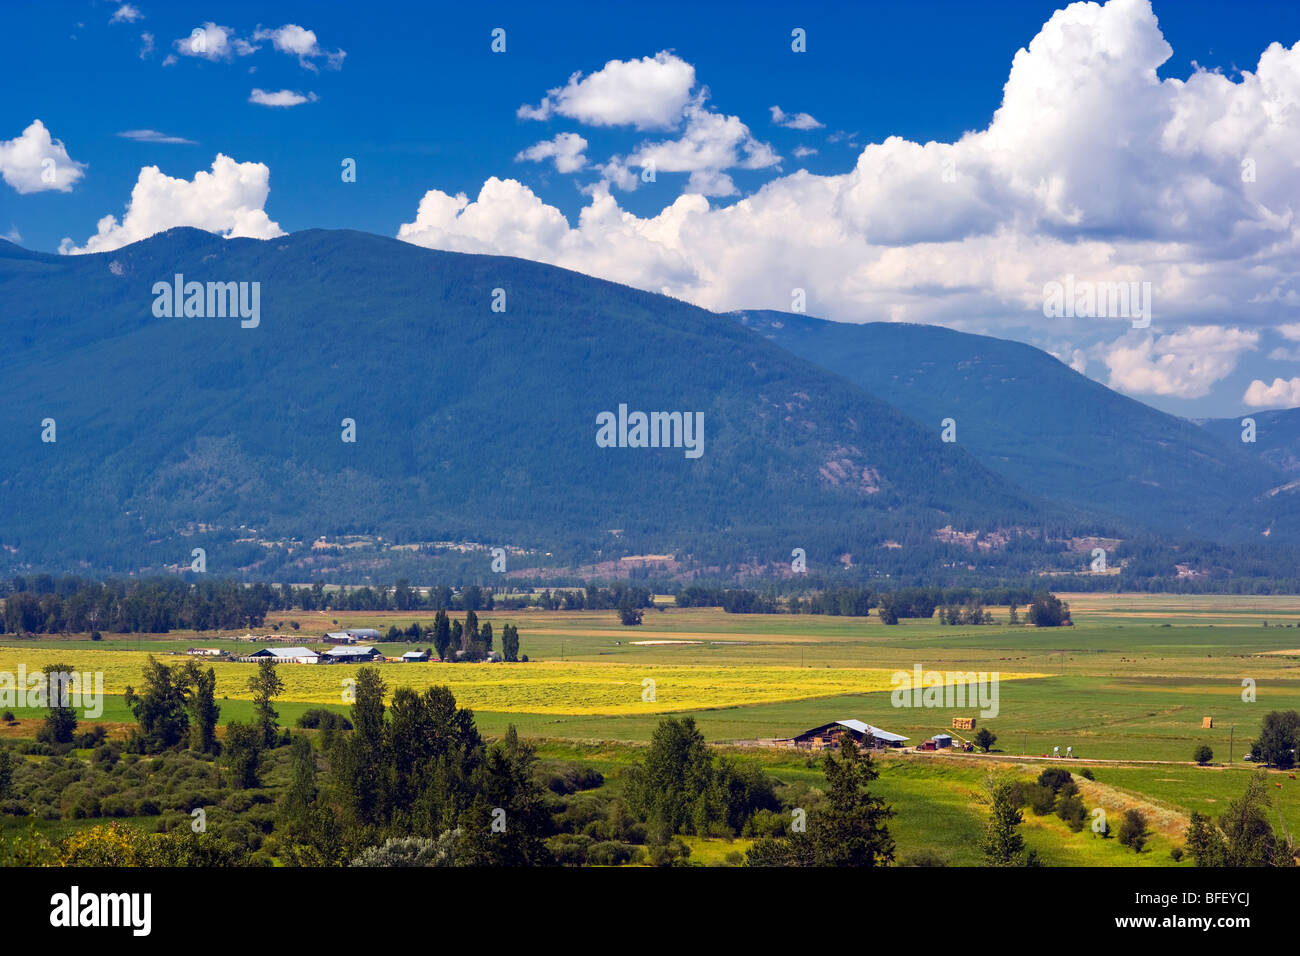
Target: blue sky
{"x":422,"y":104}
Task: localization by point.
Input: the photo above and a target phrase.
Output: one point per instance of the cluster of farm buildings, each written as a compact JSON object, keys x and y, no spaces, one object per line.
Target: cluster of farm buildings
{"x":349,"y":648}
{"x":827,"y":737}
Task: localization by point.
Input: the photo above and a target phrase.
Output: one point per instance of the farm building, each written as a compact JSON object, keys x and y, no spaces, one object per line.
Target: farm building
{"x":827,"y":735}
{"x":348,"y":655}
{"x":286,"y":655}
{"x":351,"y":635}
{"x":415,"y":657}
{"x":942,"y":741}
{"x":205,"y":651}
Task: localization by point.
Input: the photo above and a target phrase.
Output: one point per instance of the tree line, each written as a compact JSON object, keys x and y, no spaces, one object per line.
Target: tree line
{"x":43,"y":604}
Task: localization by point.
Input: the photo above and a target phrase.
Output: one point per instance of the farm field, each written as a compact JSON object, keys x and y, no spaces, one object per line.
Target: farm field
{"x":1126,"y":687}
{"x":1119,"y":684}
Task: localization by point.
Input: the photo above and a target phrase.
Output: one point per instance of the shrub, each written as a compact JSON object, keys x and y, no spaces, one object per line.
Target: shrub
{"x":1203,"y":755}
{"x":92,"y":738}
{"x":765,"y":823}
{"x":570,"y":849}
{"x":570,"y":778}
{"x":1133,"y":830}
{"x":1054,"y":777}
{"x":672,"y":853}
{"x":318,"y":718}
{"x":1042,"y":800}
{"x":413,"y":851}
{"x":612,"y":853}
{"x":1070,"y":808}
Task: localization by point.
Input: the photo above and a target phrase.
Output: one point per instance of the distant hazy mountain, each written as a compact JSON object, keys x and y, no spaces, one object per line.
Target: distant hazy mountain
{"x":473,"y":424}
{"x":1052,"y":431}
{"x":1277,"y":437}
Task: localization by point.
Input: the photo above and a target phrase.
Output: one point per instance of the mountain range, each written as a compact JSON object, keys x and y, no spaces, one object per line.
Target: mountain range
{"x":473,"y":386}
{"x":1059,"y":434}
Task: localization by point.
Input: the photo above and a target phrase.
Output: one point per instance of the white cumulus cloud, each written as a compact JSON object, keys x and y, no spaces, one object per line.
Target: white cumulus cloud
{"x":566,"y":149}
{"x":1092,"y":166}
{"x":213,"y":42}
{"x":649,"y":93}
{"x":229,"y":200}
{"x":34,"y":162}
{"x":302,"y":43}
{"x":1182,"y":364}
{"x":1283,"y":392}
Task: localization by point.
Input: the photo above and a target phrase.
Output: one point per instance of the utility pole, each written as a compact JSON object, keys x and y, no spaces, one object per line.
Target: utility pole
{"x":1232,"y":729}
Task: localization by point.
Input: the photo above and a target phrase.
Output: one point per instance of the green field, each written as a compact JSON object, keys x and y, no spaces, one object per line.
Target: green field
{"x":1126,"y":687}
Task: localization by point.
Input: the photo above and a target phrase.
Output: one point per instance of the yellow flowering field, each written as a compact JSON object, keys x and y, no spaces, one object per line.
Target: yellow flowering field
{"x":540,"y":687}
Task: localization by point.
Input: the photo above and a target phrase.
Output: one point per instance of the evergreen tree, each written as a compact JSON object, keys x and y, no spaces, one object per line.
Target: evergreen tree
{"x":676,"y":771}
{"x":61,"y":722}
{"x":510,"y":642}
{"x":848,"y":829}
{"x":299,"y":799}
{"x":242,"y":753}
{"x":159,"y":709}
{"x":441,"y":633}
{"x":366,"y":748}
{"x":201,"y":707}
{"x":508,"y":817}
{"x":266,"y":686}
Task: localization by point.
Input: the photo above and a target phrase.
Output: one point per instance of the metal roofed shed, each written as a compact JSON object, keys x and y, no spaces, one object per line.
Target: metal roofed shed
{"x":827,"y":735}
{"x":350,"y":635}
{"x":289,"y":655}
{"x":349,"y":653}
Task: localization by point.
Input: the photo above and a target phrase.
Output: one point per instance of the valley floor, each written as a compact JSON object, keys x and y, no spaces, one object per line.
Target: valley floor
{"x":1127,"y":687}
